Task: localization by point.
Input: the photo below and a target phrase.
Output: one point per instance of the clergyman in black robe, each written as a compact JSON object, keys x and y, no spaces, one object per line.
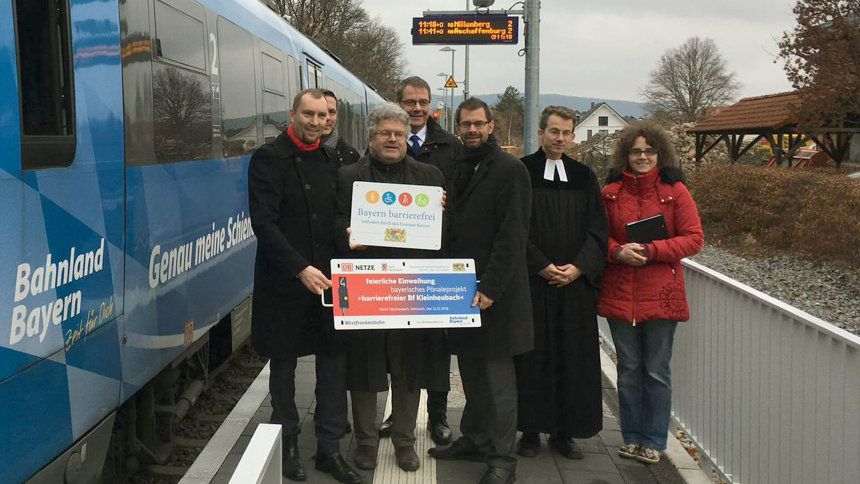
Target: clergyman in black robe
{"x":559,"y":382}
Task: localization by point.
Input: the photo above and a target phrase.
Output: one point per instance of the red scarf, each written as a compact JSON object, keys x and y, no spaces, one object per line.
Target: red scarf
{"x":301,"y":145}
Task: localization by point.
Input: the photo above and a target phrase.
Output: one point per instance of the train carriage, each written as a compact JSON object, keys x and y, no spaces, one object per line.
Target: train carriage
{"x":126,"y":257}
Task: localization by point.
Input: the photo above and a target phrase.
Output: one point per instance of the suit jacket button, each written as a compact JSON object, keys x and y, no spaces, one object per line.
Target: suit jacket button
{"x":298,"y":159}
{"x":307,"y":186}
{"x":314,"y":216}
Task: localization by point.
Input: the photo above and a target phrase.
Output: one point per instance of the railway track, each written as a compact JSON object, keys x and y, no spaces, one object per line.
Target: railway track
{"x":226,"y":386}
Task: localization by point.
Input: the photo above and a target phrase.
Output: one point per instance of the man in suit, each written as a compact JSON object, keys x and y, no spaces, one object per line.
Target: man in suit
{"x":331,"y":140}
{"x":427,"y":142}
{"x":291,"y":188}
{"x":489,"y":210}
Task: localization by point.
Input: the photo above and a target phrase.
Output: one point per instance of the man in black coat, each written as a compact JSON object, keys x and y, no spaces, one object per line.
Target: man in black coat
{"x":416,"y":358}
{"x":559,"y":382}
{"x":332,"y":141}
{"x":429,"y":143}
{"x":291,"y":187}
{"x":489,"y":210}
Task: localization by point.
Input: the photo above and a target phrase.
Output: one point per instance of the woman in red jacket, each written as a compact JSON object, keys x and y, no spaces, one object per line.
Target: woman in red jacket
{"x":643,"y":295}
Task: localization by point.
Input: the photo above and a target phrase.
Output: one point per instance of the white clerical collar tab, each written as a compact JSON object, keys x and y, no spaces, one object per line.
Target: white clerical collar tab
{"x":553,"y":166}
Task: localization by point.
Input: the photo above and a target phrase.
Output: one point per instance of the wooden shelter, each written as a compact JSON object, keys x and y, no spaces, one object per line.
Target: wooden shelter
{"x":771,"y":118}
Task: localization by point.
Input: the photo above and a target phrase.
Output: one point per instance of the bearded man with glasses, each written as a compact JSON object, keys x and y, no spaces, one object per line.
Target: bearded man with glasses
{"x":489,"y":210}
{"x":415,"y":358}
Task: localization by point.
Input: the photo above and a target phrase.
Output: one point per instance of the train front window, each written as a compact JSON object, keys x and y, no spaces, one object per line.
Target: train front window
{"x":46,"y":87}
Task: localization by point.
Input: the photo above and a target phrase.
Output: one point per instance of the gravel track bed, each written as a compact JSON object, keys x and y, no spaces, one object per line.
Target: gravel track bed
{"x":822,"y":289}
{"x":219,"y":399}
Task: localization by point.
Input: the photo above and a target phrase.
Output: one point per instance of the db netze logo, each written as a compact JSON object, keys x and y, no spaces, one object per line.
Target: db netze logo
{"x":346,"y":267}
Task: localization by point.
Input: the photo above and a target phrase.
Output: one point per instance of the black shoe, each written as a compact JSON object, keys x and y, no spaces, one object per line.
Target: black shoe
{"x":566,"y":447}
{"x":499,"y":475}
{"x":292,"y":467}
{"x":439,"y":430}
{"x":338,"y":468}
{"x":385,"y":427}
{"x":460,"y":449}
{"x":529,"y":444}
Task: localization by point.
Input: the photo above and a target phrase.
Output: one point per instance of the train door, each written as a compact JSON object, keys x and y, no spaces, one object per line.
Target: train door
{"x":61,"y":247}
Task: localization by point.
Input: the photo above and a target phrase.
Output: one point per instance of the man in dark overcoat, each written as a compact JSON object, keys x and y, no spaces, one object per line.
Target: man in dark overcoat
{"x":559,"y":382}
{"x":416,"y":358}
{"x":291,"y":187}
{"x":427,"y":142}
{"x":332,"y":141}
{"x":489,"y":208}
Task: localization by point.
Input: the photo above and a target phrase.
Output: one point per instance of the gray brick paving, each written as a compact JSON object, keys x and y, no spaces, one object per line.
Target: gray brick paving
{"x":601,"y":464}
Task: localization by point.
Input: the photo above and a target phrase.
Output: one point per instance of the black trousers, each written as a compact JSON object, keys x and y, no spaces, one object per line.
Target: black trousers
{"x":437,"y":404}
{"x":331,"y":409}
{"x":490,"y":417}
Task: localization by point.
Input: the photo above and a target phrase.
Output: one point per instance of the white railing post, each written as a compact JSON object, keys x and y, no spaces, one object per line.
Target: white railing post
{"x":261,"y":461}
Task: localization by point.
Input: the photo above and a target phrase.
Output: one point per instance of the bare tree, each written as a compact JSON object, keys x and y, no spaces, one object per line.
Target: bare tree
{"x":690,"y":79}
{"x":822,"y":60}
{"x":365,"y":45}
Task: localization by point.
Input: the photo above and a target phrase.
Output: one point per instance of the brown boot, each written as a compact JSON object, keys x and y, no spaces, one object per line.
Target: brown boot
{"x":406,"y":458}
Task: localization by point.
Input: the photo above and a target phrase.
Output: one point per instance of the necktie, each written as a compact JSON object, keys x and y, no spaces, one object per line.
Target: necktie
{"x":415,"y":143}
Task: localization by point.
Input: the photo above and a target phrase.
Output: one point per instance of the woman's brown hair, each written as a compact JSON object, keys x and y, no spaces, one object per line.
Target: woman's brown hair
{"x":655,"y":135}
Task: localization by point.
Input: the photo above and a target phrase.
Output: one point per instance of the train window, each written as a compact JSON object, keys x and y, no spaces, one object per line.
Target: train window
{"x":238,"y":90}
{"x":179,"y":36}
{"x":294,"y":75}
{"x":276,"y":115}
{"x":314,"y":76}
{"x":182,"y":114}
{"x":273,"y":74}
{"x":275,"y":111}
{"x":47,"y":88}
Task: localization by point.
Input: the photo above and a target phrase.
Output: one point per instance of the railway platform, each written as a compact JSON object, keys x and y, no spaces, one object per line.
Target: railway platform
{"x":601,"y":464}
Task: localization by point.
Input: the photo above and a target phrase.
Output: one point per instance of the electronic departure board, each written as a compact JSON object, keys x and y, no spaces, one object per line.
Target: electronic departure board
{"x":465,"y":29}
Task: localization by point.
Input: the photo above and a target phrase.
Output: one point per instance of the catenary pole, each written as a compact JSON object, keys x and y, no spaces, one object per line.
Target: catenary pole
{"x":532,"y":94}
{"x":466,"y":78}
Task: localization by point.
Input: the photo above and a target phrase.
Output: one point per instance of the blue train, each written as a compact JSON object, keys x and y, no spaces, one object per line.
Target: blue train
{"x":126,"y":251}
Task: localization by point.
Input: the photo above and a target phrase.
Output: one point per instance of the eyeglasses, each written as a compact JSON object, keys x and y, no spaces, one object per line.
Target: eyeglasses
{"x":398,"y":135}
{"x":639,"y":151}
{"x":556,"y":132}
{"x":469,"y":124}
{"x":412,"y":102}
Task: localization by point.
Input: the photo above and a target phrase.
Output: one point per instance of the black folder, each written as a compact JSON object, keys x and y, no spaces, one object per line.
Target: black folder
{"x":647,"y":229}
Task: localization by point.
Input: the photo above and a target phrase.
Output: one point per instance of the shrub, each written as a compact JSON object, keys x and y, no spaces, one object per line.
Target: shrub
{"x":809,"y":212}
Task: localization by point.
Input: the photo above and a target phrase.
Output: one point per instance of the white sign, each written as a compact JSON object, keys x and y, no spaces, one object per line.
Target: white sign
{"x":393,"y":215}
{"x":404,"y":293}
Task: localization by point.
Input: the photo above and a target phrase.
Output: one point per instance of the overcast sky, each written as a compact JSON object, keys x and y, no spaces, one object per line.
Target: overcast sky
{"x":606,"y":48}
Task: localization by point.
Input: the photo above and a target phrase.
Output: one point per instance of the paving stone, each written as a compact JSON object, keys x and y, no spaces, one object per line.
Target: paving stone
{"x":594,"y":445}
{"x":589,"y":477}
{"x":611,"y":423}
{"x":230,"y":463}
{"x":638,"y":474}
{"x":459,"y":470}
{"x":611,"y":438}
{"x":221,"y":478}
{"x":591,"y":462}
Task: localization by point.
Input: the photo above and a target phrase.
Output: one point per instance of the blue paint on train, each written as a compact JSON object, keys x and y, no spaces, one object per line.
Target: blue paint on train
{"x":103,"y":266}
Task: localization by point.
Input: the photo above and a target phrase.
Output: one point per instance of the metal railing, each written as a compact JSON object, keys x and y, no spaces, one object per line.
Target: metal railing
{"x":769,"y":393}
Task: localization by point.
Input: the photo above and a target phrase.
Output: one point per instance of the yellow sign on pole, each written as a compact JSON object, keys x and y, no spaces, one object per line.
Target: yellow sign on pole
{"x":451,"y":83}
